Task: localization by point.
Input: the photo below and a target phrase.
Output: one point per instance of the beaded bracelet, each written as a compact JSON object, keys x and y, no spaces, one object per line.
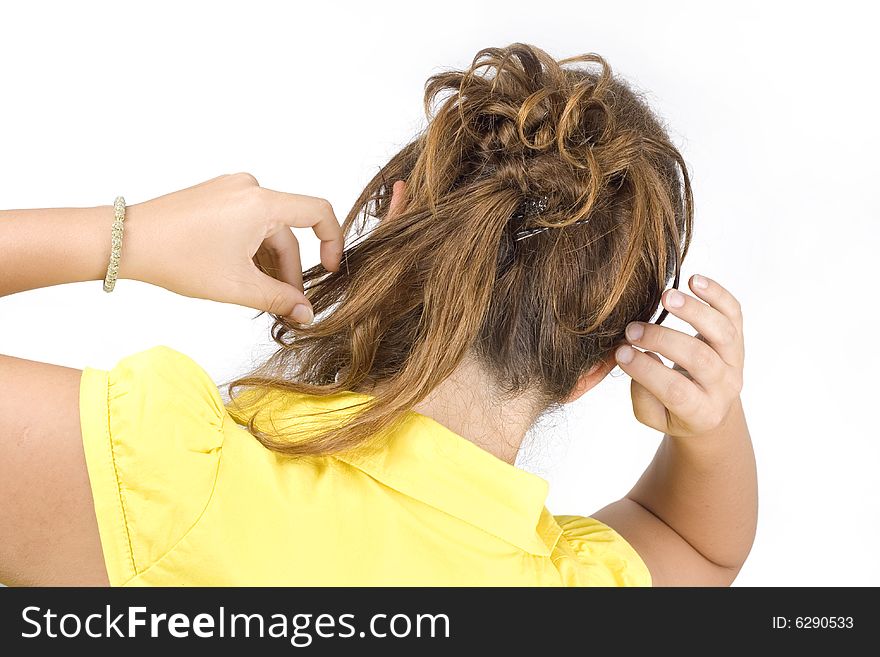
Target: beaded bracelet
{"x":115,"y":243}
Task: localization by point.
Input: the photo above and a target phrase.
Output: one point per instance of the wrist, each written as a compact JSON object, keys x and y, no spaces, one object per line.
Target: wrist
{"x":731,"y":427}
{"x":54,"y":246}
{"x":130,"y":265}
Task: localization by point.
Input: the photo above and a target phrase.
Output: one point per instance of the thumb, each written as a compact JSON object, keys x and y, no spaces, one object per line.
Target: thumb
{"x":648,"y":410}
{"x":279,"y":298}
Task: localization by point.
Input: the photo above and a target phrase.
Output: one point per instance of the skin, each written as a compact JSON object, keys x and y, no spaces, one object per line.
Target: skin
{"x":691,"y":516}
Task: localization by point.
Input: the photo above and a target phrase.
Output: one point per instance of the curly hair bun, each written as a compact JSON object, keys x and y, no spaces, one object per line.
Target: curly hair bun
{"x":447,"y":277}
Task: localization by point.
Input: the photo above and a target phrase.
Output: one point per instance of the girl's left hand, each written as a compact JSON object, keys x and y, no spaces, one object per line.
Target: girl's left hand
{"x":696,"y":396}
{"x":229,"y":240}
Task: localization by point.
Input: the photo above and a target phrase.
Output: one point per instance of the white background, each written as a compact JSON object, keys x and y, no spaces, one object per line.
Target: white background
{"x":773,"y":105}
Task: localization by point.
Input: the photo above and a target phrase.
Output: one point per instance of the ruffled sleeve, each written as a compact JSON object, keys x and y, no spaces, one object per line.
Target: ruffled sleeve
{"x":591,"y":553}
{"x":152,"y":430}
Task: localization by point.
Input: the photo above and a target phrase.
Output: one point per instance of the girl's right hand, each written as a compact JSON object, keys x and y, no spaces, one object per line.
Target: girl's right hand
{"x":221,"y":240}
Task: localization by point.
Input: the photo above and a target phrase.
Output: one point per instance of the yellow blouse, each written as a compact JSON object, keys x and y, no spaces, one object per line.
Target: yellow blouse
{"x":185,"y":496}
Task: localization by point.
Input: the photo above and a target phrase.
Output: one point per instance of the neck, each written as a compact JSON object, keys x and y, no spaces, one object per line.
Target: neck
{"x":467,"y":404}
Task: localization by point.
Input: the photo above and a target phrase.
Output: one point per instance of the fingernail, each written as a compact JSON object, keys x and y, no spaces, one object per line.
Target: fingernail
{"x":303,"y":314}
{"x":625,"y":355}
{"x":674,"y":299}
{"x":700,"y":282}
{"x":634,"y":331}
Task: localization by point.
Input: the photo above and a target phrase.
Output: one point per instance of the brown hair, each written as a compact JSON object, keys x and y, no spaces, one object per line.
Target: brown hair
{"x":445,"y":277}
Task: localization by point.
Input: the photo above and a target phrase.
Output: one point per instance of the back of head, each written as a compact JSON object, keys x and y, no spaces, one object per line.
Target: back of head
{"x":461,"y":271}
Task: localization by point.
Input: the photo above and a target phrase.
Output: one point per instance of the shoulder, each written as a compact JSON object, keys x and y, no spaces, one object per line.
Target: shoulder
{"x":152,"y":430}
{"x":590,"y":553}
{"x":156,"y":390}
{"x":163,"y":369}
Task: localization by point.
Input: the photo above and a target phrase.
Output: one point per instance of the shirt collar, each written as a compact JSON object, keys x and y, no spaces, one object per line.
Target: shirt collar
{"x":427,"y":461}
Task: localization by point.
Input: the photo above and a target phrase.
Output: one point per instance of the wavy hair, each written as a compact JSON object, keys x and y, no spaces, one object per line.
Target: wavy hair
{"x":446,"y":277}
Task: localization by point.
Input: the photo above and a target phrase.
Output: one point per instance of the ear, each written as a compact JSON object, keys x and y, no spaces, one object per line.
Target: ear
{"x":596,"y":373}
{"x":397,"y":198}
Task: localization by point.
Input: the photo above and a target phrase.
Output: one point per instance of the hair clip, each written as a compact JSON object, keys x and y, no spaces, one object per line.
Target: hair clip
{"x":535,"y":206}
{"x":532,"y":207}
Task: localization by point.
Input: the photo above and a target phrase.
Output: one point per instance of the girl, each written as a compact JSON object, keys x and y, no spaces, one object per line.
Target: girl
{"x":524,"y":240}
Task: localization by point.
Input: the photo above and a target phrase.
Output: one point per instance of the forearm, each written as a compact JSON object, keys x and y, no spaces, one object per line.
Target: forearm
{"x":48,"y":247}
{"x":705,"y":488}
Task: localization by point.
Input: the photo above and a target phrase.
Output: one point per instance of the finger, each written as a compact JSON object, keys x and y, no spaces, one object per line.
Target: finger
{"x":675,"y":366}
{"x":718,"y":297}
{"x":651,"y":354}
{"x":648,"y":410}
{"x":678,"y":394}
{"x":277,"y":297}
{"x":261,"y":260}
{"x":300,"y":211}
{"x":255,"y":289}
{"x":688,"y":352}
{"x":715,"y":327}
{"x":283,"y":249}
